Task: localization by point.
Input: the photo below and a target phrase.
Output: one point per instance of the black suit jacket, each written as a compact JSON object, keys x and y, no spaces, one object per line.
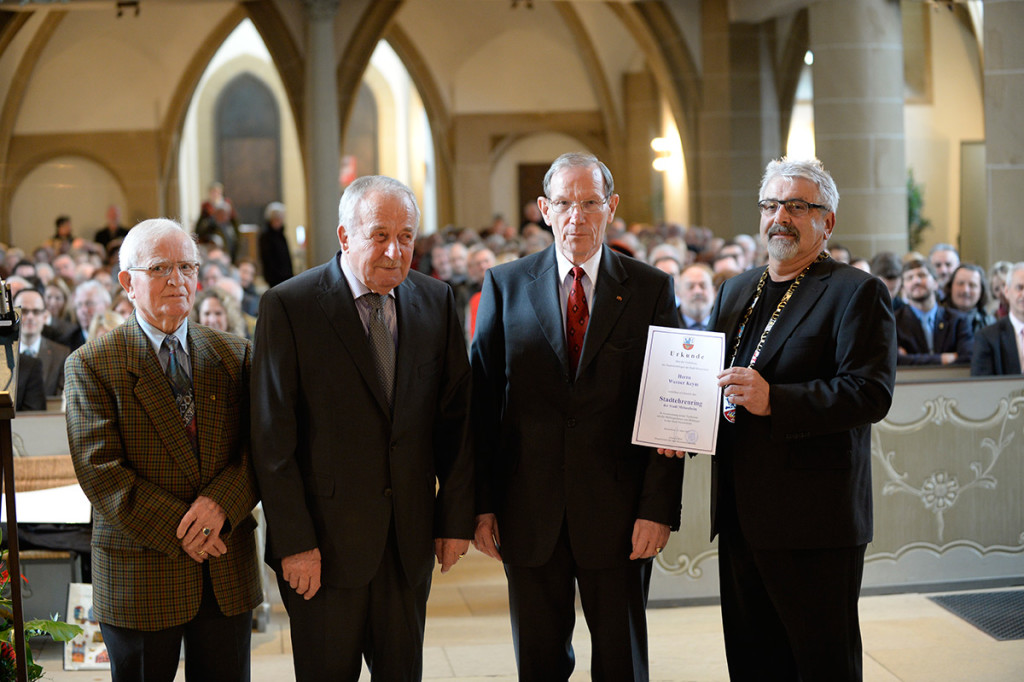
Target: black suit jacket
{"x":73,"y":339}
{"x":334,"y":466}
{"x":952,"y":334}
{"x":52,"y":355}
{"x":995,"y":350}
{"x":550,"y":448}
{"x":31,"y":395}
{"x":802,"y":476}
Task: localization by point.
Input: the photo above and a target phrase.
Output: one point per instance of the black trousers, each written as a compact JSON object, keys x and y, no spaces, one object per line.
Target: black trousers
{"x":790,"y":614}
{"x":216,"y":647}
{"x":542,"y":603}
{"x":338,"y":627}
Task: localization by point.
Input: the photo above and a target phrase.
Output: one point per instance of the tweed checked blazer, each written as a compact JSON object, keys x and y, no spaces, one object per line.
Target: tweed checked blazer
{"x":137,"y":466}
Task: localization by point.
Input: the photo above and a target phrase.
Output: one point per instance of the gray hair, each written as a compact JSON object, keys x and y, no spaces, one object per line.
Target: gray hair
{"x":944,"y":247}
{"x":579,"y":160}
{"x":369,"y":184}
{"x":810,"y":169}
{"x":1014,"y":268}
{"x":92,"y":285}
{"x":142,"y":237}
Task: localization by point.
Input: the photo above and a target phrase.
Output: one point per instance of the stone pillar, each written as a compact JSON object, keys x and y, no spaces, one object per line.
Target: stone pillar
{"x":858,"y":119}
{"x":1004,"y":135}
{"x":737,"y":122}
{"x":323,"y":126}
{"x":634,"y":181}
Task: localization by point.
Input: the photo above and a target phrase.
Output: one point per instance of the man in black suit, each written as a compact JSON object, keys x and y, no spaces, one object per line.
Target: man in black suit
{"x":360,"y":400}
{"x":811,"y":363}
{"x":563,"y":497}
{"x":91,"y":298}
{"x":998,"y":348}
{"x":34,"y":317}
{"x":928,"y":333}
{"x":697,"y":295}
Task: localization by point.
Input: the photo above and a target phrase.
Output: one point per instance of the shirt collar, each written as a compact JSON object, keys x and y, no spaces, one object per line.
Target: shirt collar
{"x":355,"y":284}
{"x":1017,"y":324}
{"x":590,"y":266}
{"x":156,"y":337}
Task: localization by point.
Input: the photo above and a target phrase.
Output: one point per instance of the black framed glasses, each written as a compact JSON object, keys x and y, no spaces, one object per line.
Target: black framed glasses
{"x":794,"y":207}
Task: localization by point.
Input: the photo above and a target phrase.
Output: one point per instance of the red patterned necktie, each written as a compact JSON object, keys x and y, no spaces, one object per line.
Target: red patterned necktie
{"x":577,"y":315}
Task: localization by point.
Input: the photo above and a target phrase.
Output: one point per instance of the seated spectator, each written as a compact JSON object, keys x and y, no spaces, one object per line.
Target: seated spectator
{"x":123,"y":305}
{"x":999,"y":275}
{"x":103,"y":322}
{"x":887,"y":267}
{"x":91,"y":298}
{"x":64,"y":265}
{"x":968,"y":294}
{"x":840,"y":253}
{"x":57,"y":295}
{"x":731,"y":256}
{"x":211,"y":272}
{"x":927,"y":333}
{"x":50,"y":354}
{"x":233,"y":289}
{"x":999,"y":348}
{"x":44,"y":273}
{"x":217,"y":309}
{"x":247,"y":278}
{"x":62,"y":238}
{"x":220,"y":229}
{"x":944,"y":259}
{"x":697,"y":296}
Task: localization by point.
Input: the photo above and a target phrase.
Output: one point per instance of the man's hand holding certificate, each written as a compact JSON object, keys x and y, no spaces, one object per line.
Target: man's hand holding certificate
{"x":680,"y":398}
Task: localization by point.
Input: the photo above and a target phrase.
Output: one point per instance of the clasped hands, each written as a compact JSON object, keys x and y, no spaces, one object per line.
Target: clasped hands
{"x":649,"y":537}
{"x":199,"y":530}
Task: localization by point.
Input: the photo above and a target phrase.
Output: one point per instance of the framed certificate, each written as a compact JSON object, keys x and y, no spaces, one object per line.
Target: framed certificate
{"x":680,"y":400}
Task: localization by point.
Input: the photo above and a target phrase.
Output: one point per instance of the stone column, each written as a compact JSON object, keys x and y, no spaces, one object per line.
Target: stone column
{"x":858,"y":119}
{"x":1004,"y":135}
{"x":323,"y":126}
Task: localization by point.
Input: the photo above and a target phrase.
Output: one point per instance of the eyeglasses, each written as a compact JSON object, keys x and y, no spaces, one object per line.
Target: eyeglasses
{"x":794,"y":207}
{"x":161,"y":270}
{"x":33,"y":311}
{"x":586,"y":206}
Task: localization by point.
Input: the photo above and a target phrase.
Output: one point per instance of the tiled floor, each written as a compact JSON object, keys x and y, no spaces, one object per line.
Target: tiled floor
{"x":906,"y":638}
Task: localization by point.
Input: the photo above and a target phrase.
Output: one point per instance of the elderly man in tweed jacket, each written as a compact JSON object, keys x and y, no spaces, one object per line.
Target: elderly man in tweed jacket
{"x":157,"y":416}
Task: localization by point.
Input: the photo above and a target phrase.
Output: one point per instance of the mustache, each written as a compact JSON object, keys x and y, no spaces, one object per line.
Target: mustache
{"x":786,"y":230}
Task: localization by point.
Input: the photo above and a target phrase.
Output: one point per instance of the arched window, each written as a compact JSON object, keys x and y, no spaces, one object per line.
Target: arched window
{"x":248,"y":134}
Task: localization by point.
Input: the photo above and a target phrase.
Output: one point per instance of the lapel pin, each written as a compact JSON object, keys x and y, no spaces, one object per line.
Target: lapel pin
{"x":618,"y":298}
{"x":213,"y":397}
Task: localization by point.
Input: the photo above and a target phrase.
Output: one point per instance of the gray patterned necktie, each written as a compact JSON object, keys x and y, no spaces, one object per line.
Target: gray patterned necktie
{"x":383,"y":346}
{"x":181,"y":384}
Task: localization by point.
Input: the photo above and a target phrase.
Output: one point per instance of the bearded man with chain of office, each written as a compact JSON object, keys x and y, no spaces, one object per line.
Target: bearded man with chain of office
{"x":810,"y":365}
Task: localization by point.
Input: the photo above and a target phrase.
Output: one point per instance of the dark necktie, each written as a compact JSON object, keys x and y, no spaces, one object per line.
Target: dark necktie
{"x":383,"y":346}
{"x":577,"y":315}
{"x":181,"y":384}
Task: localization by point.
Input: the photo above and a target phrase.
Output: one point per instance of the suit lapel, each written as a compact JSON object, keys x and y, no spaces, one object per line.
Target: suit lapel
{"x":912,"y":325}
{"x":799,"y":307}
{"x":336,"y":302}
{"x":610,"y":299}
{"x":543,"y":291}
{"x":207,"y":383}
{"x":943,"y":328}
{"x":156,"y":398}
{"x":735,"y":305}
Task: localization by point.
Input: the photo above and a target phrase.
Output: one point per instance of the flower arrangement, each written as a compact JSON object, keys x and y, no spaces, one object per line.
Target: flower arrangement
{"x":59,"y":631}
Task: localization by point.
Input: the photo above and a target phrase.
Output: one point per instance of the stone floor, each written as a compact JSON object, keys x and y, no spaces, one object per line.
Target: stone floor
{"x":907,"y":638}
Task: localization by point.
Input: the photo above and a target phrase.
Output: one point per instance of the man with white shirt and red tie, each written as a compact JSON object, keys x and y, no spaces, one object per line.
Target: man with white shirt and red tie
{"x":563,"y":497}
{"x":999,"y":348}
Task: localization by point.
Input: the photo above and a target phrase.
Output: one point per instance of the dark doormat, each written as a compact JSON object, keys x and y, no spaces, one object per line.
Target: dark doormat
{"x":998,"y":614}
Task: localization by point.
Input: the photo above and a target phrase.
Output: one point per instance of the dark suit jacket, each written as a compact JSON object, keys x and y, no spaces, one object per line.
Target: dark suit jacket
{"x":137,"y":466}
{"x":31,"y":396}
{"x":802,"y":476}
{"x":995,"y":350}
{"x":73,"y":339}
{"x":334,"y":466}
{"x":952,"y":335}
{"x":52,"y":355}
{"x":550,"y":448}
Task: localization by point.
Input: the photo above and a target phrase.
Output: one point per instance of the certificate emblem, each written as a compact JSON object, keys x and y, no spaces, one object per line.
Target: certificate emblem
{"x":688,"y":342}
